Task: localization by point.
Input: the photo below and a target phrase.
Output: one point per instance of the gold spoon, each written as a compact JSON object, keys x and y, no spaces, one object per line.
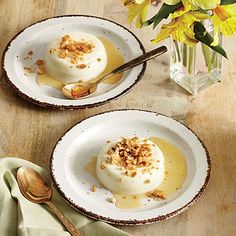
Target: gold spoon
{"x":36,"y":189}
{"x":82,"y":89}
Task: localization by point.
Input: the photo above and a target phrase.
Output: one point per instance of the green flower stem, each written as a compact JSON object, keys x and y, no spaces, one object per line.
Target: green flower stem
{"x":184,"y":54}
{"x":173,"y":57}
{"x":214,"y":59}
{"x":207,"y":56}
{"x":191,"y":54}
{"x":177,"y":51}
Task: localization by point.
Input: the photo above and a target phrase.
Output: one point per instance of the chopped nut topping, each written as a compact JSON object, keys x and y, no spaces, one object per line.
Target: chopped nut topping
{"x":40,"y":71}
{"x":40,"y":66}
{"x":133,"y":174}
{"x":156,"y":195}
{"x":130,"y":154}
{"x":112,"y":199}
{"x":52,"y":50}
{"x":103,"y":165}
{"x":29,"y":69}
{"x":147,"y":181}
{"x":39,"y":62}
{"x":73,"y":61}
{"x":99,"y":59}
{"x":62,"y":55}
{"x":74,"y":49}
{"x":94,"y":188}
{"x":30,"y":53}
{"x":82,"y":66}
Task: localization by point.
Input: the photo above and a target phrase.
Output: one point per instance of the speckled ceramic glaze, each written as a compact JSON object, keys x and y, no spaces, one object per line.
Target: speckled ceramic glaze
{"x":36,"y":38}
{"x":77,"y":146}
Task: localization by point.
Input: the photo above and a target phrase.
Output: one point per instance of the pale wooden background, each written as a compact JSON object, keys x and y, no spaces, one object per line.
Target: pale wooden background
{"x":30,"y":132}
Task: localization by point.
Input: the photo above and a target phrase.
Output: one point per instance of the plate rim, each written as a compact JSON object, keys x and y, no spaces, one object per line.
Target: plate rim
{"x":133,"y":221}
{"x":70,"y":107}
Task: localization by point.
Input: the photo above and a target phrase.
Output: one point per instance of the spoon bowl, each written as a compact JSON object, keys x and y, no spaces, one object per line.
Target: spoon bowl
{"x":79,"y":90}
{"x":34,"y":188}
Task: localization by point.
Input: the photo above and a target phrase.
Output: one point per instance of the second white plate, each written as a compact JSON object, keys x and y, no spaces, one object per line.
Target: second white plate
{"x":76,"y":147}
{"x":36,"y":37}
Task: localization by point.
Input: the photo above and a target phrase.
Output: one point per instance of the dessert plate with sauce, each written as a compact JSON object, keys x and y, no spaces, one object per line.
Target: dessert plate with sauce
{"x":29,"y":50}
{"x":181,"y":172}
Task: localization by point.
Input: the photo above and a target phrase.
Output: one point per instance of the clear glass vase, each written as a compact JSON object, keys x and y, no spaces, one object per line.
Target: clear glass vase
{"x":195,"y":68}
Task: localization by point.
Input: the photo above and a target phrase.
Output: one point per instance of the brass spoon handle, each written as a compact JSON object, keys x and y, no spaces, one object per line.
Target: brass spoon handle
{"x":137,"y":61}
{"x":69,"y":226}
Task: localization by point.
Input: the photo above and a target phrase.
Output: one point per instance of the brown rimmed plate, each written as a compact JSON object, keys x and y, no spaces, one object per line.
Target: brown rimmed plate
{"x":36,"y":37}
{"x":76,"y":147}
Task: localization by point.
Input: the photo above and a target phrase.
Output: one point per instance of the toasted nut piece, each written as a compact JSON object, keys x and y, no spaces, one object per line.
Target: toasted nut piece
{"x":156,"y":195}
{"x":133,"y":174}
{"x":73,"y":61}
{"x":112,"y":199}
{"x":30,"y":53}
{"x":82,"y":66}
{"x":103,"y":165}
{"x":39,"y":62}
{"x":29,"y":69}
{"x":94,"y":188}
{"x":62,"y":55}
{"x":40,"y":71}
{"x":71,"y":48}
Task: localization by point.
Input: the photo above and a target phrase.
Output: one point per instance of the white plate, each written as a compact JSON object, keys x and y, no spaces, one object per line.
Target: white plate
{"x":36,"y":37}
{"x":76,"y":147}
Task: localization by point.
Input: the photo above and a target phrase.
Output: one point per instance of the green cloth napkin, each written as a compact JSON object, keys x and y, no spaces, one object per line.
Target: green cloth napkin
{"x":18,"y":216}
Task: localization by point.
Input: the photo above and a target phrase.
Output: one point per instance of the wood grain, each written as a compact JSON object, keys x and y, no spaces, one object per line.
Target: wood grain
{"x":30,"y":132}
{"x":212,"y":114}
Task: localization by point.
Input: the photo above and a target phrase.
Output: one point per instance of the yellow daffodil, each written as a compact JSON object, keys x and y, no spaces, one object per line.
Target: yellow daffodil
{"x":171,"y":2}
{"x":137,"y":9}
{"x":205,"y":4}
{"x":182,"y":10}
{"x":128,"y":2}
{"x":181,"y":28}
{"x":224,"y":21}
{"x":139,"y":1}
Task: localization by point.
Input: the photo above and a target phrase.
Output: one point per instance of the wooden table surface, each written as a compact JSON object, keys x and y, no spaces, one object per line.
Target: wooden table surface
{"x":30,"y":132}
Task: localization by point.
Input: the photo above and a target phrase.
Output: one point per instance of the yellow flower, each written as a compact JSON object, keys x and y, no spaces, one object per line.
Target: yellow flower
{"x":205,"y":4}
{"x":127,"y":2}
{"x":139,"y":1}
{"x":137,"y":9}
{"x":182,"y":10}
{"x":171,"y":2}
{"x":224,"y":21}
{"x":181,"y":28}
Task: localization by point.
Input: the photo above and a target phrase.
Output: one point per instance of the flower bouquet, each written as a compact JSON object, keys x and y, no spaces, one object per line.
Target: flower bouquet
{"x":195,"y":28}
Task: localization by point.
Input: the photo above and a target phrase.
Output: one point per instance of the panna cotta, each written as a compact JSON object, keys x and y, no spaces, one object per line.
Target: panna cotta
{"x":76,"y":56}
{"x":130,"y":166}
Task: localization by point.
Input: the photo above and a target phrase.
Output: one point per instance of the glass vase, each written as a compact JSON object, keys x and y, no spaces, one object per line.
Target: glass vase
{"x":194,"y":68}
